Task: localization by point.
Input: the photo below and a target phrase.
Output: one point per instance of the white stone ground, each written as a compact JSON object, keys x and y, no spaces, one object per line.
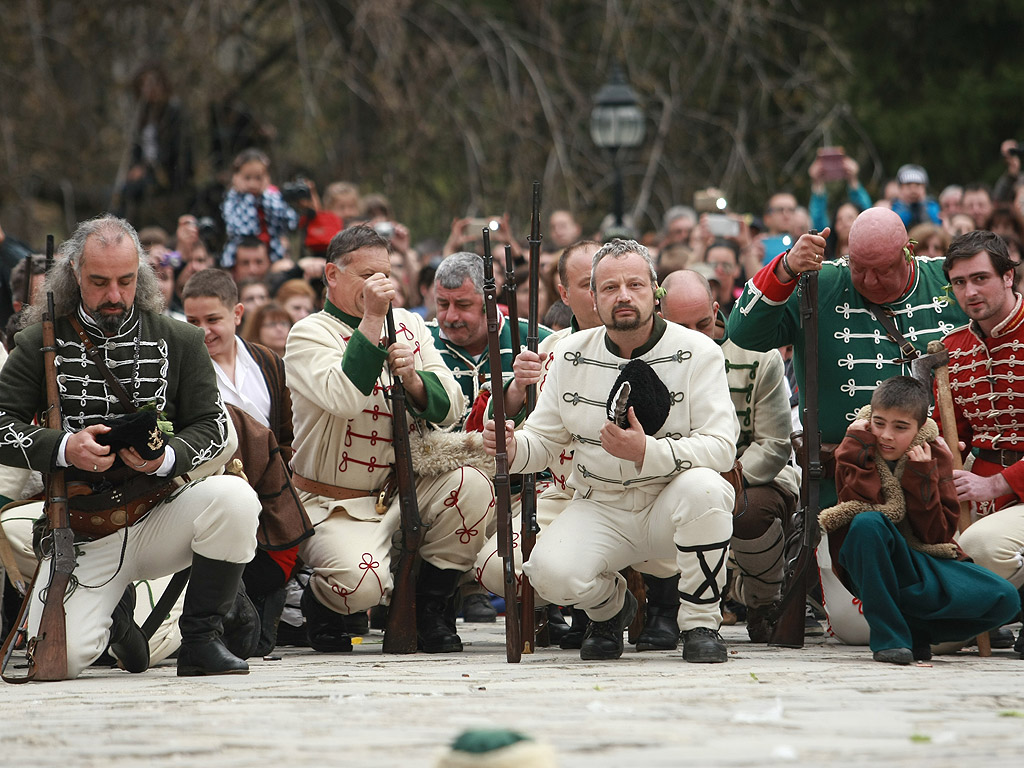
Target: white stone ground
{"x":824,"y":705}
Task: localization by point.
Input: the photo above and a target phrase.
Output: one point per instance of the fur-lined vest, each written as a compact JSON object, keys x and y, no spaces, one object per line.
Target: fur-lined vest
{"x":917,"y":496}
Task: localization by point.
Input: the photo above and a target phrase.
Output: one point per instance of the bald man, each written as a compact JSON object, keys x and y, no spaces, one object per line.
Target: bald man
{"x":880,"y":278}
{"x":757,"y":384}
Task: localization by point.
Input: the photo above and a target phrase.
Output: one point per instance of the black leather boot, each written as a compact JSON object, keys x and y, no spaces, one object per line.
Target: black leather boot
{"x":269,"y":608}
{"x":573,"y":639}
{"x":326,"y":630}
{"x":127,"y":642}
{"x":242,"y":626}
{"x":435,"y":610}
{"x":556,"y":625}
{"x":661,"y":630}
{"x":212,"y":589}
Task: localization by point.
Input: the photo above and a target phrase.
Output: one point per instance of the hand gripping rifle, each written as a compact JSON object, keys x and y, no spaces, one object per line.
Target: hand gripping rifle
{"x":502,"y":484}
{"x":400,"y":633}
{"x":801,"y":563}
{"x":48,"y":652}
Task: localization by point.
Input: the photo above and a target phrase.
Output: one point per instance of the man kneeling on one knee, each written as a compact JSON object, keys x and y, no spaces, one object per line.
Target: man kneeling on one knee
{"x":647,"y":485}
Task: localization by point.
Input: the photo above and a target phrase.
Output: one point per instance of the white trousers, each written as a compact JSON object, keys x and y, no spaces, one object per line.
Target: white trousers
{"x":996,"y":542}
{"x":215,"y":517}
{"x":577,"y":561}
{"x":351,"y":552}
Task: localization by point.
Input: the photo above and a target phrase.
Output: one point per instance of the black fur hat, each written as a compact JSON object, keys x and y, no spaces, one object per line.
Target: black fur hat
{"x":135,"y":430}
{"x":648,"y":396}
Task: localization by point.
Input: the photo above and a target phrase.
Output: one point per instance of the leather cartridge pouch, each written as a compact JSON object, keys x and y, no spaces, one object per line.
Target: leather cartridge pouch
{"x":95,"y":513}
{"x":735,"y":478}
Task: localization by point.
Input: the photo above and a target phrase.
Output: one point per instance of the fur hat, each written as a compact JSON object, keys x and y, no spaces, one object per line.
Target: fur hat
{"x":648,"y":395}
{"x":137,"y":430}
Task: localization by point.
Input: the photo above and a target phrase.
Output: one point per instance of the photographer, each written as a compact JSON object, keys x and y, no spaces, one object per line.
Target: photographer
{"x":1005,"y":188}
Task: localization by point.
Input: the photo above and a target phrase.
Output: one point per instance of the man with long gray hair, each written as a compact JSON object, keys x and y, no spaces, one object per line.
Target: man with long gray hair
{"x":140,"y":408}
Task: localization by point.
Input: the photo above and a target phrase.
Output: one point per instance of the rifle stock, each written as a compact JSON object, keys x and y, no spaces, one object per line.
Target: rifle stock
{"x":801,"y":563}
{"x":502,"y":481}
{"x":400,"y":632}
{"x":48,"y":653}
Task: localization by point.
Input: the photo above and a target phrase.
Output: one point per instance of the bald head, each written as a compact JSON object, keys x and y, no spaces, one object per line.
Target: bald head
{"x":878,"y":268}
{"x":689,"y":301}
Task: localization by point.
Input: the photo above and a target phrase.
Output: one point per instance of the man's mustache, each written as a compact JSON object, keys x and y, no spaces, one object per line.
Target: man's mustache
{"x":454,"y":326}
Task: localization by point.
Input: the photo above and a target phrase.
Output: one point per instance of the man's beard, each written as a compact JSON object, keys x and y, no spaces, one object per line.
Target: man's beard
{"x":109,"y":324}
{"x":627,"y":324}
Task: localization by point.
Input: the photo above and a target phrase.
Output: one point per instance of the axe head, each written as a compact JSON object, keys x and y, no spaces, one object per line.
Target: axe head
{"x":922,"y":368}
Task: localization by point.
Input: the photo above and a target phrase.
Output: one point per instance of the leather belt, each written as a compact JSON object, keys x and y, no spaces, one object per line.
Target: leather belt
{"x":331,"y":491}
{"x":1002,"y":457}
{"x":96,"y":523}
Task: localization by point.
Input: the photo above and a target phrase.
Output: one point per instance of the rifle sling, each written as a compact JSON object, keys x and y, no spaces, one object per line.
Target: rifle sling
{"x":94,"y":354}
{"x":885,"y":320}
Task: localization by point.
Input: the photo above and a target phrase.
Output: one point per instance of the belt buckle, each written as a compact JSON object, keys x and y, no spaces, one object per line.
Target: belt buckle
{"x":1004,"y":460}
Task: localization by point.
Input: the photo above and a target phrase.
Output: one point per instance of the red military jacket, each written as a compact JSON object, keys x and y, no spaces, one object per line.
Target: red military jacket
{"x":986,"y":377}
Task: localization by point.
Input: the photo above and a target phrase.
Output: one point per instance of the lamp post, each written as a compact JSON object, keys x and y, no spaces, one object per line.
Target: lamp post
{"x":616,"y":122}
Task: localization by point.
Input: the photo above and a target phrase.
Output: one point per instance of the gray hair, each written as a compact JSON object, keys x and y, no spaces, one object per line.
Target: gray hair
{"x":679,"y":212}
{"x":618,"y":248}
{"x":62,"y":279}
{"x":455,"y":269}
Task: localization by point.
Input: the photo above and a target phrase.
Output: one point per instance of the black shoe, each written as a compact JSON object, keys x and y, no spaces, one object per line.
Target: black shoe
{"x":922,"y":652}
{"x":558,"y":628}
{"x":661,"y":630}
{"x":379,"y":617}
{"x":326,"y":631}
{"x":812,"y":625}
{"x":603,"y":639}
{"x":477,"y":609}
{"x":358,"y":623}
{"x":761,"y":622}
{"x":435,"y":610}
{"x":127,"y":642}
{"x":894,"y":655}
{"x":212,"y":589}
{"x":573,"y":639}
{"x":1018,"y":646}
{"x":704,"y":646}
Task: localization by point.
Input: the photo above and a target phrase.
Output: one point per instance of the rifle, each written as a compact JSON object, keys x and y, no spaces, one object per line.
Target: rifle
{"x":788,"y":631}
{"x":528,"y":516}
{"x":48,"y":651}
{"x":502,"y":482}
{"x":400,"y":633}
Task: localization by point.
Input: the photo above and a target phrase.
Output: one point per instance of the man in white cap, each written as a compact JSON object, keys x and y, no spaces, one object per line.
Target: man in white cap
{"x":913,"y":204}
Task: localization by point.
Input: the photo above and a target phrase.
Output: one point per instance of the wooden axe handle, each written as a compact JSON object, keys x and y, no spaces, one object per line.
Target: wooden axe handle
{"x":944,"y":402}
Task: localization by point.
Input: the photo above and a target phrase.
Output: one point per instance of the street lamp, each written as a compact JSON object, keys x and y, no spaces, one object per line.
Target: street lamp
{"x":616,"y":122}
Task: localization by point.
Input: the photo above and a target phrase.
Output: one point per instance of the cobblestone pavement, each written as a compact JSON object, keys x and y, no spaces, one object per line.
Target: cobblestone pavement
{"x":826,"y":704}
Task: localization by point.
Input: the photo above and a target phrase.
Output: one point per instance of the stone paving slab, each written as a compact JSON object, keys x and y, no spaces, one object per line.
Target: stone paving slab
{"x":826,"y":704}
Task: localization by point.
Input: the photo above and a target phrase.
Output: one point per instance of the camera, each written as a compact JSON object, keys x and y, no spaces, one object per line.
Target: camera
{"x":1018,"y":150}
{"x":721,"y":225}
{"x":207,"y":227}
{"x":385,"y":229}
{"x":296,"y":191}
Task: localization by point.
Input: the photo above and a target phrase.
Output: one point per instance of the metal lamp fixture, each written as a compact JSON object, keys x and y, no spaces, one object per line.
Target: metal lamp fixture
{"x":616,"y":121}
